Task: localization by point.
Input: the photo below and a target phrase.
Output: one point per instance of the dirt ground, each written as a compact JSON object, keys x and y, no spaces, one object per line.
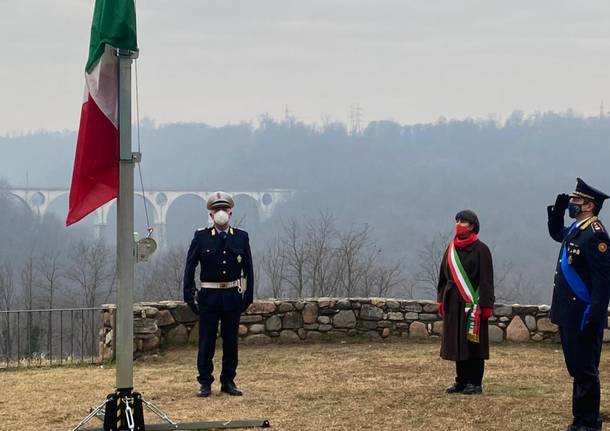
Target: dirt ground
{"x":349,"y":386}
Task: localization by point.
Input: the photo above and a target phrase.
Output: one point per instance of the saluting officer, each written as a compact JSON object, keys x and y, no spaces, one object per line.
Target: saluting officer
{"x":580,"y":296}
{"x":226,"y":290}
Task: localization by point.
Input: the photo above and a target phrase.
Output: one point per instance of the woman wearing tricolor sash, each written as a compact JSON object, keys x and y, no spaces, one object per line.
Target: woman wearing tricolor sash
{"x":465,"y":301}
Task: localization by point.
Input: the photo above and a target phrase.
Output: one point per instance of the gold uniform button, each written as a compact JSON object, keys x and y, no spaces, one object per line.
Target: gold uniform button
{"x":224,"y":252}
{"x":224,"y":262}
{"x":573,"y":298}
{"x":224,"y":272}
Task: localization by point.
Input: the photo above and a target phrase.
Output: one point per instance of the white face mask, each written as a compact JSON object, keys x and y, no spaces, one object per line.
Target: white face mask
{"x":221,"y":218}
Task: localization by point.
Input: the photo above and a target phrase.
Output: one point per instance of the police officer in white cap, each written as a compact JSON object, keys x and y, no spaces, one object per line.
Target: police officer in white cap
{"x":225,"y":291}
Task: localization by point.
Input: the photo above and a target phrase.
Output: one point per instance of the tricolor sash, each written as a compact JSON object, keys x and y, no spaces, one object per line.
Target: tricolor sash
{"x":468,"y":293}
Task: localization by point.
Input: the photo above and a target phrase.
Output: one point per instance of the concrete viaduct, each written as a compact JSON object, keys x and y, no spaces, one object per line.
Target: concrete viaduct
{"x":38,"y":200}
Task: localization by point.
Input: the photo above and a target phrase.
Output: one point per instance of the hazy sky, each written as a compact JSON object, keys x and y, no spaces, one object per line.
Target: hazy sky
{"x":229,"y":61}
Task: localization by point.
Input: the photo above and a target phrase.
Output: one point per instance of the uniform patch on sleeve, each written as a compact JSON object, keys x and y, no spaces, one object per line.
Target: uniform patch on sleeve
{"x":602,"y":247}
{"x":598,"y":227}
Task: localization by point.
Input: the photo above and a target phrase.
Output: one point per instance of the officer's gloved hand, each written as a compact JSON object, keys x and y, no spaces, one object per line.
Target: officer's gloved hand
{"x":562,"y":202}
{"x":193,"y":306}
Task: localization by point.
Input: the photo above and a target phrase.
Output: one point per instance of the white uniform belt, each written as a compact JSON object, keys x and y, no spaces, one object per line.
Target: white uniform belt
{"x":212,"y":285}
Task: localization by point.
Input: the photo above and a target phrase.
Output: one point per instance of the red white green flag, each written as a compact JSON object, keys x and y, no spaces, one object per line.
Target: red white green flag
{"x":95,"y":179}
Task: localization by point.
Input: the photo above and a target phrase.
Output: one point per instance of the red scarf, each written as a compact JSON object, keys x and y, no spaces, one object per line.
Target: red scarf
{"x":470,"y":239}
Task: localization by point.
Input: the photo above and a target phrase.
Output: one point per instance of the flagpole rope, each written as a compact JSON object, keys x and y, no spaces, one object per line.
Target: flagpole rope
{"x":148,"y":227}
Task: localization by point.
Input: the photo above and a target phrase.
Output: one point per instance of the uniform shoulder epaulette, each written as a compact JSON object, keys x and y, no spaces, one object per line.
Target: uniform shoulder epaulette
{"x":588,"y":223}
{"x":201,"y":229}
{"x":598,"y":227}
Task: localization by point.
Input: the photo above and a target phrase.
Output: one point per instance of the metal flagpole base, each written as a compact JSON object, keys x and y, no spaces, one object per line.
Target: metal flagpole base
{"x":211,"y":425}
{"x":123,"y":411}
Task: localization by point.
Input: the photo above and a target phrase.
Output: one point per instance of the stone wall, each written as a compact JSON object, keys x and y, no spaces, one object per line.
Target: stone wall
{"x":170,"y":323}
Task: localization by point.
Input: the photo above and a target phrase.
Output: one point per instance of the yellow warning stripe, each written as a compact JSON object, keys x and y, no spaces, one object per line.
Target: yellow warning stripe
{"x":118,"y":412}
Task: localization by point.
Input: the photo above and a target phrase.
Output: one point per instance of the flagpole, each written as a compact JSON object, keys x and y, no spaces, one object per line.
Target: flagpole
{"x":123,"y":410}
{"x":125,"y":229}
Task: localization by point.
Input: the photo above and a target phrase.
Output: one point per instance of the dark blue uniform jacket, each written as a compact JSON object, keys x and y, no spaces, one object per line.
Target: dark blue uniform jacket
{"x":587,"y":252}
{"x":222,"y":258}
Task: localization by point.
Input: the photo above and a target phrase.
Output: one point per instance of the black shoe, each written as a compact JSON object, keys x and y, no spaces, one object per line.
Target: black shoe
{"x":204,"y":391}
{"x":231,"y":389}
{"x":471,"y":389}
{"x":456,"y":388}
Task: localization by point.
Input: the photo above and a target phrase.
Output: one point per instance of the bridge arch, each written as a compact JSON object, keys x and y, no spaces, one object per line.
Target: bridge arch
{"x":185,"y":213}
{"x":247,"y":211}
{"x":252,"y":206}
{"x":150,"y":206}
{"x":22,"y":202}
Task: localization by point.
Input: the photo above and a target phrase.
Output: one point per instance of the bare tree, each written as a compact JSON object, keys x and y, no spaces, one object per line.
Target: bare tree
{"x":162,"y":277}
{"x":429,"y":262}
{"x":354,"y":268}
{"x":512,"y":286}
{"x":295,"y":252}
{"x":273,"y":266}
{"x":388,"y":278}
{"x":27,"y":287}
{"x":49,"y":266}
{"x":325,"y":261}
{"x":257,"y":267}
{"x":172,"y":266}
{"x":408,"y":288}
{"x":147,"y":285}
{"x":7,"y":294}
{"x":27,"y":282}
{"x":321,"y":263}
{"x":92,"y":270}
{"x":7,"y":288}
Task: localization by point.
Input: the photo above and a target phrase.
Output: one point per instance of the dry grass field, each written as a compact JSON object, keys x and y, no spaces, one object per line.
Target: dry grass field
{"x":350,"y":386}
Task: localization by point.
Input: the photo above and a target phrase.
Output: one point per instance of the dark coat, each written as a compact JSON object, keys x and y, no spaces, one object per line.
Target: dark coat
{"x":587,"y":248}
{"x":221,"y":260}
{"x":476,"y":259}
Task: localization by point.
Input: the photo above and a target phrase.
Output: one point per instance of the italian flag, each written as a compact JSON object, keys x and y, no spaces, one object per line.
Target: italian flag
{"x":95,"y":178}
